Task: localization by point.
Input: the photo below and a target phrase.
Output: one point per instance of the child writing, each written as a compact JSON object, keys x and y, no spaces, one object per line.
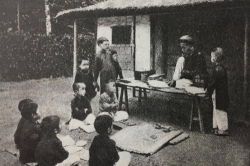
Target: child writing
{"x":218,"y":89}
{"x":50,"y":150}
{"x":84,"y":76}
{"x":30,"y":134}
{"x":108,"y":103}
{"x":117,"y":67}
{"x":21,"y":108}
{"x":102,"y":150}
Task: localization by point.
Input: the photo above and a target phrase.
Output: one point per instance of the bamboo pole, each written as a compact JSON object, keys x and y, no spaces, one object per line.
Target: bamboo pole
{"x":75,"y":50}
{"x":246,"y":63}
{"x":18,"y":16}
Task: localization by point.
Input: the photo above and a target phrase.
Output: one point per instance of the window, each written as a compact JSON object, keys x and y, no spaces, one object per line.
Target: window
{"x":121,"y":34}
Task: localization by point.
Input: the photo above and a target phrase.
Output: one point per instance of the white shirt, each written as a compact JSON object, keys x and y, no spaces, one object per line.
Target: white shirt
{"x":178,"y":68}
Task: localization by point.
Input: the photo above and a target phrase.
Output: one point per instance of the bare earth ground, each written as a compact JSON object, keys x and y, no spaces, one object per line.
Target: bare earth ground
{"x":54,"y":95}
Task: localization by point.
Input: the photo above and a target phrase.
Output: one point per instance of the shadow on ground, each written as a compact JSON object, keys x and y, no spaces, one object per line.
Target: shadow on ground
{"x":54,"y":95}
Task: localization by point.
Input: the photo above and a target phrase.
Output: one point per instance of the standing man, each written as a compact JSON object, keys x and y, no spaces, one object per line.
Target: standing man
{"x":191,"y":63}
{"x":103,"y":64}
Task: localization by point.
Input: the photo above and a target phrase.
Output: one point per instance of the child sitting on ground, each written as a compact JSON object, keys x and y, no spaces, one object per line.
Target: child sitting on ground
{"x":21,"y":107}
{"x":30,"y":134}
{"x":81,"y":108}
{"x":114,"y":60}
{"x":218,"y":89}
{"x":102,"y":150}
{"x":84,"y":76}
{"x":108,"y":103}
{"x":50,"y":150}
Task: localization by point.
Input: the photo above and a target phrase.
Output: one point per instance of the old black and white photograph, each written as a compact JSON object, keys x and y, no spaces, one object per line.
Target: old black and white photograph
{"x":125,"y":82}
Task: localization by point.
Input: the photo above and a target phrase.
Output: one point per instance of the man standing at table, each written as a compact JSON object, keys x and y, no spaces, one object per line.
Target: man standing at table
{"x":190,"y":64}
{"x":103,"y":64}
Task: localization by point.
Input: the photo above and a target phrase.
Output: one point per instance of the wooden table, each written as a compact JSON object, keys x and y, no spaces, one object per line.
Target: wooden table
{"x":143,"y":87}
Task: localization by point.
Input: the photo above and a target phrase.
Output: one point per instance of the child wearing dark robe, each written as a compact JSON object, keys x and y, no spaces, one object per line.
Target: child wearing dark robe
{"x":117,"y":67}
{"x":50,"y":151}
{"x":30,"y":134}
{"x":20,"y":125}
{"x":103,"y":151}
{"x":218,"y":91}
{"x":84,"y":76}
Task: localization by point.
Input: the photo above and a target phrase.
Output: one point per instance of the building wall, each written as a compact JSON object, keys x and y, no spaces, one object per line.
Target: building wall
{"x":143,"y":57}
{"x":125,"y":51}
{"x":142,"y":42}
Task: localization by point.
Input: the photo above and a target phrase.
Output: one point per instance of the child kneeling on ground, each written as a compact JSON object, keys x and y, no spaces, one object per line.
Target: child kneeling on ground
{"x":218,"y":89}
{"x":103,"y":150}
{"x":108,"y":103}
{"x":50,"y":150}
{"x":22,"y":107}
{"x":81,"y":108}
{"x":30,"y":132}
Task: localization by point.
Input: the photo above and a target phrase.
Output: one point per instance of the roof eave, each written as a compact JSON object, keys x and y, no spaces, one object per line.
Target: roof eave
{"x":79,"y":14}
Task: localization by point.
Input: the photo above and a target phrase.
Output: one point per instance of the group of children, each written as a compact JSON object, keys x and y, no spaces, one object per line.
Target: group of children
{"x":37,"y":142}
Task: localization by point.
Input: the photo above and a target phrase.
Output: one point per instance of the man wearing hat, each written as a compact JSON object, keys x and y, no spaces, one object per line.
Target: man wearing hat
{"x":191,"y":63}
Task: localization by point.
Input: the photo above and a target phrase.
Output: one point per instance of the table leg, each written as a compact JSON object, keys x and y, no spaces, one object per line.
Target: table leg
{"x":139,"y":98}
{"x":126,"y":99}
{"x":145,"y":93}
{"x":117,"y":92}
{"x":133,"y":92}
{"x":121,"y":98}
{"x":200,"y":115}
{"x":191,"y":114}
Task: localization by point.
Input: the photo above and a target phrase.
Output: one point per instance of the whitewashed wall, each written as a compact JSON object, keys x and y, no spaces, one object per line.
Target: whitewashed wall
{"x":142,"y":37}
{"x":104,"y":25}
{"x":142,"y":42}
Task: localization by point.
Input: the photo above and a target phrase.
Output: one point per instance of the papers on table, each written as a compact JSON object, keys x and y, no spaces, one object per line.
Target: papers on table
{"x":157,"y":84}
{"x":183,"y":83}
{"x":195,"y":90}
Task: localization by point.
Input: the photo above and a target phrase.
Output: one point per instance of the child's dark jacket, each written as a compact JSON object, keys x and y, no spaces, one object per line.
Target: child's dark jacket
{"x":78,"y":106}
{"x":88,"y":79}
{"x":103,"y":152}
{"x":50,"y":151}
{"x":17,"y":135}
{"x":118,"y":69}
{"x":29,"y":139}
{"x":218,"y":82}
{"x":194,"y":65}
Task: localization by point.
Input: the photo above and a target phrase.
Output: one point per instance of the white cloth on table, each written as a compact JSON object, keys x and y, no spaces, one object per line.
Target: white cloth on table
{"x":195,"y":90}
{"x":183,"y":83}
{"x":220,"y":119}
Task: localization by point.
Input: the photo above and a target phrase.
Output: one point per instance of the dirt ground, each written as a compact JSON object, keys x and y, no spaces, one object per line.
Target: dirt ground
{"x":54,"y":95}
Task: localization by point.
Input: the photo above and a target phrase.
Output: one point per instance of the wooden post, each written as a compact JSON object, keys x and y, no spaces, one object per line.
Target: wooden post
{"x":18,"y":16}
{"x":134,"y":29}
{"x":75,"y":50}
{"x":246,"y":71}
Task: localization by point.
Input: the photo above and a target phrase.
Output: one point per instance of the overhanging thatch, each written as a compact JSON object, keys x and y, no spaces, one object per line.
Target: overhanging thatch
{"x":130,"y":7}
